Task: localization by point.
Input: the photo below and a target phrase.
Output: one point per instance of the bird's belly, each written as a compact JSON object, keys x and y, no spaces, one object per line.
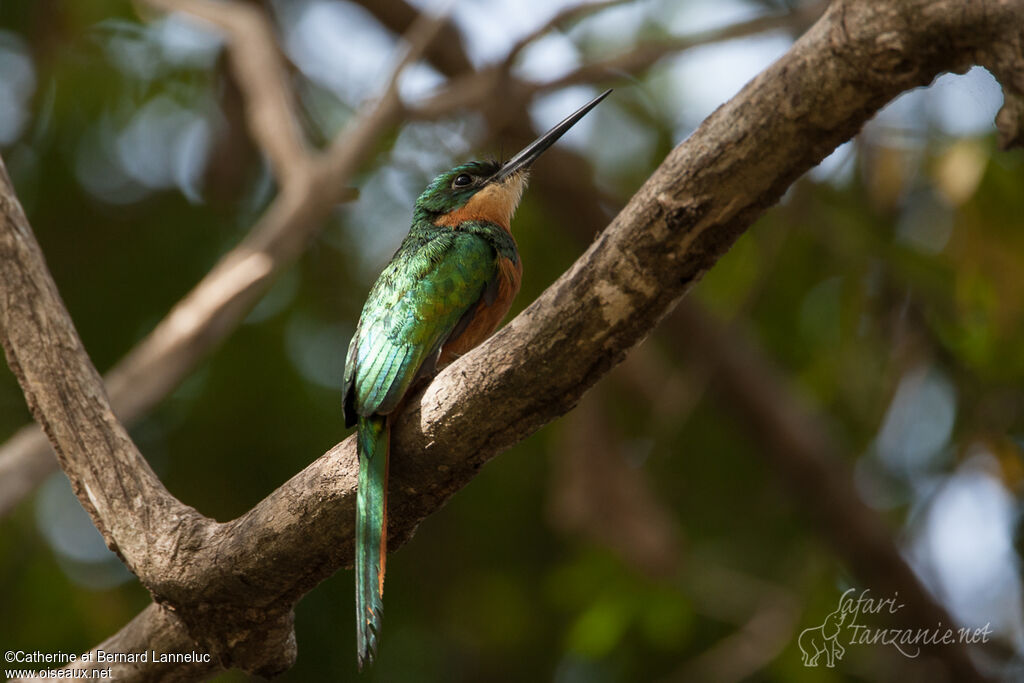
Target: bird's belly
{"x":487,"y":317}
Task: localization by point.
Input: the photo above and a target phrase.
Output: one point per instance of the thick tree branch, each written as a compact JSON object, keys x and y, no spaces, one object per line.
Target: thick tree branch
{"x":125,"y":499}
{"x":705,"y":194}
{"x":154,"y":629}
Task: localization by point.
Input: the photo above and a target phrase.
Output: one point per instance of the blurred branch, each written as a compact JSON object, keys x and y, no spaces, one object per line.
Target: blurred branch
{"x":764,"y":612}
{"x":256,"y":60}
{"x":597,"y":492}
{"x":704,"y":195}
{"x":218,"y":303}
{"x":470,"y":89}
{"x":803,"y":454}
{"x":740,"y":655}
{"x":347,"y":150}
{"x":565,"y":16}
{"x":446,"y":52}
{"x":647,"y":55}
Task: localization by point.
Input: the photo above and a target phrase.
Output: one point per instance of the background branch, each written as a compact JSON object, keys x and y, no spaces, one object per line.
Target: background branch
{"x":811,"y":464}
{"x":470,"y":89}
{"x":647,"y":55}
{"x":270,"y":108}
{"x":563,"y":17}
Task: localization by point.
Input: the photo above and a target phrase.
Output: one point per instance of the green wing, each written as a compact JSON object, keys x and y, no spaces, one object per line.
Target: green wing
{"x":414,"y":306}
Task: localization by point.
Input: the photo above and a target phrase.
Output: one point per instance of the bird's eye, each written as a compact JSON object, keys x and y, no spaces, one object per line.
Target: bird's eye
{"x":462,"y":180}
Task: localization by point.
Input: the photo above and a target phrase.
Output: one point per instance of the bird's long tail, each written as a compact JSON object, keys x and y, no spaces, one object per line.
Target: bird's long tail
{"x":371,"y":532}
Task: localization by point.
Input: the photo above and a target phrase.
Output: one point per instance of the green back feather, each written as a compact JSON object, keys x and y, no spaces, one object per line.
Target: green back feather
{"x":412,"y":309}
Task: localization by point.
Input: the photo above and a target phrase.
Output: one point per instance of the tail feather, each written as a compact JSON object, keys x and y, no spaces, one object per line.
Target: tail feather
{"x":371,"y":532}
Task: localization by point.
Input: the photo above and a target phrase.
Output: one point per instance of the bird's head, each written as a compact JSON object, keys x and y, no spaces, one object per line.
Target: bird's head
{"x":469,"y":192}
{"x":489,"y":190}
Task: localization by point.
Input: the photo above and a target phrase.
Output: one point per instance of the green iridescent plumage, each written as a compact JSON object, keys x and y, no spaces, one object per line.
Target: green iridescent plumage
{"x":423,"y":297}
{"x":371,"y":524}
{"x":433,"y":279}
{"x":444,"y":291}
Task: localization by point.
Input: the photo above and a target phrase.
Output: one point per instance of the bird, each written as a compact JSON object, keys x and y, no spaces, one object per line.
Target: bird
{"x":445,"y":290}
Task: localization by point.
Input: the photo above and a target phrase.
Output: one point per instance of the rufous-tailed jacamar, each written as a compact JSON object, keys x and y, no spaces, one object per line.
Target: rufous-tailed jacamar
{"x":445,"y":290}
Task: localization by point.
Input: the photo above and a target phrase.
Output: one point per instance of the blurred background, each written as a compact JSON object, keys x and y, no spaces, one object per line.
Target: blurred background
{"x":657,"y":532}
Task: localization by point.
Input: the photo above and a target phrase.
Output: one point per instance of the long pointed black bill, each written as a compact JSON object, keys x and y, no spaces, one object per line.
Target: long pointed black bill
{"x":533,"y":150}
